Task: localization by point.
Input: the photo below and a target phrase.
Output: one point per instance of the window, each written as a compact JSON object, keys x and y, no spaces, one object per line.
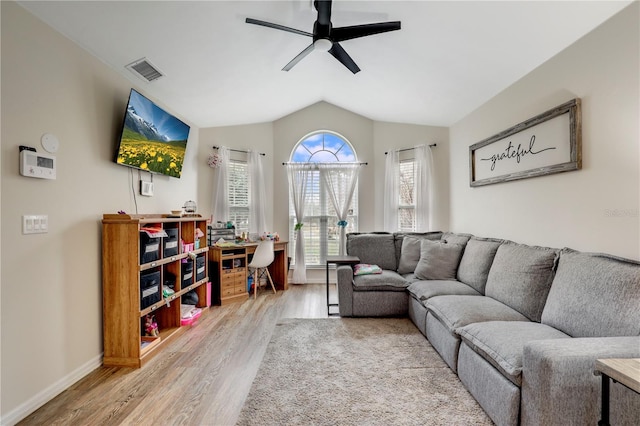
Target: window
{"x":407,"y":202}
{"x":321,"y":231}
{"x":239,"y":195}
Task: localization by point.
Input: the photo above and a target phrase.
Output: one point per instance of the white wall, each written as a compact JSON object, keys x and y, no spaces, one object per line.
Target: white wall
{"x":257,"y":137}
{"x":593,"y":209}
{"x":51,"y":307}
{"x":391,"y":136}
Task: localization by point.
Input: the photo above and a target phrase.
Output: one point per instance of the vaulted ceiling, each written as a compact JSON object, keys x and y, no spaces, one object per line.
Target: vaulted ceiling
{"x":448,"y":59}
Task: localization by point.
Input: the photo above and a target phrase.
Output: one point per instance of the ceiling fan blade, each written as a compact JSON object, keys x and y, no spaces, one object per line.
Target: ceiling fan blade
{"x":340,"y":54}
{"x":356,"y":31}
{"x":298,"y":58}
{"x":324,"y":11}
{"x":277,"y":26}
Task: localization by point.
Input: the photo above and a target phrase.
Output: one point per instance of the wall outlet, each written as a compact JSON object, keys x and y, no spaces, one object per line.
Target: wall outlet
{"x":146,"y":188}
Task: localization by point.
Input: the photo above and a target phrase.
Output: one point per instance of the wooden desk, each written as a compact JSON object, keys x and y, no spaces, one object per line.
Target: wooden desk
{"x":625,"y":371}
{"x":228,"y":270}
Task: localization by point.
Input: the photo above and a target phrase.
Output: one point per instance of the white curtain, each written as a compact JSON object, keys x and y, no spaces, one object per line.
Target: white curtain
{"x":423,"y":180}
{"x":391,"y":198}
{"x":220,"y":196}
{"x":257,"y":197}
{"x":299,"y":176}
{"x":340,"y":181}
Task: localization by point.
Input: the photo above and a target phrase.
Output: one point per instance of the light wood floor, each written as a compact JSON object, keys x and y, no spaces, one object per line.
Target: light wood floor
{"x":201,"y":378}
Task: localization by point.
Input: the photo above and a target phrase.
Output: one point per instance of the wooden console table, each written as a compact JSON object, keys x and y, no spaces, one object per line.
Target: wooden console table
{"x":229,"y":270}
{"x":625,"y":371}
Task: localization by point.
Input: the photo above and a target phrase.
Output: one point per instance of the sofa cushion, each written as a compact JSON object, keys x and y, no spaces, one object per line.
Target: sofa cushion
{"x":520,"y":277}
{"x":476,"y":262}
{"x":409,"y":255}
{"x":457,"y":311}
{"x":386,"y":281}
{"x":438,"y":260}
{"x":411,"y":278}
{"x":413,"y":252}
{"x":502,"y":343}
{"x":453,"y":238}
{"x":374,"y":248}
{"x":594,"y":295}
{"x":423,"y":290}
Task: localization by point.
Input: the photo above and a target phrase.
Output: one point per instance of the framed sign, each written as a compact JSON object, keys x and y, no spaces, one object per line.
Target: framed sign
{"x":548,"y":143}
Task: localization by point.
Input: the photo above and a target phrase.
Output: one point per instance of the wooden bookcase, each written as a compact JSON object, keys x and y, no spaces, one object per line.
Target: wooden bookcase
{"x":122,"y":268}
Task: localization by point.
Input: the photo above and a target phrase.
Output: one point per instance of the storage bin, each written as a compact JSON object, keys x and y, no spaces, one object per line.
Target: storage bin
{"x":149,"y":248}
{"x":187,"y":272}
{"x":191,"y":320}
{"x":170,"y":243}
{"x":149,"y":288}
{"x":200,"y":267}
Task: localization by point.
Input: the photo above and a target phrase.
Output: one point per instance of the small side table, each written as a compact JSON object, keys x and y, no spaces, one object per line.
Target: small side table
{"x":625,"y":371}
{"x":338,"y":260}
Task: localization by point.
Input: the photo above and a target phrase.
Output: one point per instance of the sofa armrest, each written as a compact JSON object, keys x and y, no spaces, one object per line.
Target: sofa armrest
{"x":559,"y":385}
{"x":344,"y":278}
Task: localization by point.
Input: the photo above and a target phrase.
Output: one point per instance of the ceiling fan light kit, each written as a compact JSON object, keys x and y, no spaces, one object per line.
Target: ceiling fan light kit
{"x":322,"y":44}
{"x":326,"y":38}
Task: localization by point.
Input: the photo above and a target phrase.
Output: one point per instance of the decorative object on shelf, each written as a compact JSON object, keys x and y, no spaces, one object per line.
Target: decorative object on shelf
{"x":167,"y":292}
{"x":273,"y":236}
{"x":547,"y":143}
{"x":215,"y":160}
{"x":189,"y":207}
{"x":176,"y":212}
{"x":151,"y":326}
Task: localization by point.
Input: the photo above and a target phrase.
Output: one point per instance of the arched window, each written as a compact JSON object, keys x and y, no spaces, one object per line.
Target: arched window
{"x":321,"y":230}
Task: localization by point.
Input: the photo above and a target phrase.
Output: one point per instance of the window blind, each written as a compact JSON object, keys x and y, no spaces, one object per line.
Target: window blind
{"x":239,"y":195}
{"x":407,"y":205}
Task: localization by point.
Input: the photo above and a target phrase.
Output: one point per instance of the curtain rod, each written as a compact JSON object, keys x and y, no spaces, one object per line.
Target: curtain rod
{"x":409,"y":149}
{"x":312,"y":163}
{"x":237,"y":150}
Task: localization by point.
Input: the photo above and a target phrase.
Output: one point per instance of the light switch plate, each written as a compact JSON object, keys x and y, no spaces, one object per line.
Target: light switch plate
{"x":35,"y":224}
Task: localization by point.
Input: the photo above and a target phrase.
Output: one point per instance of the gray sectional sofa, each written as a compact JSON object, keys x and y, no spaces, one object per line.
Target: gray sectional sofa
{"x":521,"y":325}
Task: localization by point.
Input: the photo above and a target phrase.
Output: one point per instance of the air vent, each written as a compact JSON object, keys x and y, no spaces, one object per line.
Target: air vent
{"x":144,"y":69}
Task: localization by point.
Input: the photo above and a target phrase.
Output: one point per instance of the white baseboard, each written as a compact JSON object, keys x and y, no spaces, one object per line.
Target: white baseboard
{"x":46,"y":395}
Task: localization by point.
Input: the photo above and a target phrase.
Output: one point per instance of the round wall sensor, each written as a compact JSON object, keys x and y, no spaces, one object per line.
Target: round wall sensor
{"x":50,"y":142}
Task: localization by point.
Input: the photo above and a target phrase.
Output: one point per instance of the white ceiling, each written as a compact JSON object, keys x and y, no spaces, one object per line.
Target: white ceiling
{"x":448,"y":59}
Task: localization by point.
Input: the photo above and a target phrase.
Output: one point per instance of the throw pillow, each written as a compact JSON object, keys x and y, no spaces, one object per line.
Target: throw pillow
{"x":476,"y":262}
{"x":366,"y":269}
{"x":438,"y":260}
{"x":409,"y":255}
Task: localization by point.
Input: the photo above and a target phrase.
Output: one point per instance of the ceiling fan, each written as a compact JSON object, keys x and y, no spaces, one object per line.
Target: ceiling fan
{"x":327,"y":38}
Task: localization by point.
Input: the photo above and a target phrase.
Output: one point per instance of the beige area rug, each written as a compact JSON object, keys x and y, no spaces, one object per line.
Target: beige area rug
{"x":355,"y":371}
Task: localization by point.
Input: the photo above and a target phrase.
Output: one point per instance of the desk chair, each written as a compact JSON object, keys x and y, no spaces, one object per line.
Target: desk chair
{"x":262,"y":258}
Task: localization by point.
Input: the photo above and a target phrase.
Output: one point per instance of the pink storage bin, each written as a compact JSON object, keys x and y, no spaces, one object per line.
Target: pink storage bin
{"x":192,"y":320}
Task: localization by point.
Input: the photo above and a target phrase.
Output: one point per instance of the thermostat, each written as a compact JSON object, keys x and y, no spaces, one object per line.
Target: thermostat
{"x":37,"y":165}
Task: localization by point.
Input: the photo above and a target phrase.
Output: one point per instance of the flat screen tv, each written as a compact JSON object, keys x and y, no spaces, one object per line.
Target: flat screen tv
{"x":152,"y":139}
